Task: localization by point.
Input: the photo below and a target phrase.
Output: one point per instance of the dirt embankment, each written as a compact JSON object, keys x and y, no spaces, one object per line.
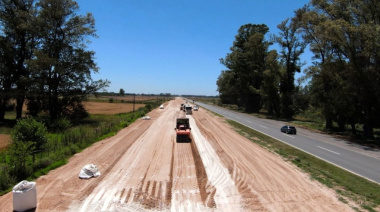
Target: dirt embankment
{"x":143,"y":168}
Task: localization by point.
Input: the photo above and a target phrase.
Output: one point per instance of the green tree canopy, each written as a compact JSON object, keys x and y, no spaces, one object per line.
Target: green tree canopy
{"x":246,"y":64}
{"x":344,"y":36}
{"x":43,"y":57}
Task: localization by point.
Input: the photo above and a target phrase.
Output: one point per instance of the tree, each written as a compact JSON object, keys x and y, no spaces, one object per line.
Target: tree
{"x":62,"y":66}
{"x":292,"y":47}
{"x":122,"y":92}
{"x":18,"y":42}
{"x":270,"y":85}
{"x":347,"y":31}
{"x":246,"y":62}
{"x":5,"y":77}
{"x":29,"y":138}
{"x":228,"y":93}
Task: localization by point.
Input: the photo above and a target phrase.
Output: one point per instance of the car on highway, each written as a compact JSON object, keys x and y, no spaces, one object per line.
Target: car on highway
{"x":289,"y":129}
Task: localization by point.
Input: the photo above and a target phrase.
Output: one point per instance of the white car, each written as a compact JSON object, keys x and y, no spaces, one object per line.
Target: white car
{"x":162,"y":107}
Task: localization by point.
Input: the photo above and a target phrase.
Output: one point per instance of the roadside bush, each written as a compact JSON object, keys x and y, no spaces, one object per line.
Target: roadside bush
{"x":148,"y":107}
{"x":42,"y":163}
{"x":30,"y":130}
{"x":60,"y":124}
{"x":20,"y":153}
{"x":5,"y":179}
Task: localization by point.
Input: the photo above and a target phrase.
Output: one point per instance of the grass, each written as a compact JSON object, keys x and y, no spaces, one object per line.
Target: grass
{"x":63,"y":145}
{"x":311,"y":119}
{"x":348,"y":186}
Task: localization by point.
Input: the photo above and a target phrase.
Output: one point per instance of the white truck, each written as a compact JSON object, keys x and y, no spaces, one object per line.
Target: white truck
{"x":189,"y":110}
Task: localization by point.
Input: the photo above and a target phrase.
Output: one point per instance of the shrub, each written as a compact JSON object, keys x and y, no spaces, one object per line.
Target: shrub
{"x":60,"y":124}
{"x":42,"y":163}
{"x":29,"y":138}
{"x":20,"y":153}
{"x":30,"y":130}
{"x":5,"y":179}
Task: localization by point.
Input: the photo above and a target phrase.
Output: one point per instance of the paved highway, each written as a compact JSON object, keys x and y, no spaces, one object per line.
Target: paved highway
{"x":356,"y":159}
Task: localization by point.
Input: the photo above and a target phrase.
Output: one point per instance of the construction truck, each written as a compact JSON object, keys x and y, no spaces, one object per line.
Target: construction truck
{"x":188,"y":110}
{"x":183,"y":130}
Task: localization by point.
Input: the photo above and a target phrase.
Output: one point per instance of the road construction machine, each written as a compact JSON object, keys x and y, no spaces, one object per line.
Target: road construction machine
{"x":188,"y":110}
{"x":183,"y":130}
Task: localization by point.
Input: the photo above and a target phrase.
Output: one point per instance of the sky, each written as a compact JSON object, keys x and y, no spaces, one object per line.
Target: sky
{"x":173,"y":46}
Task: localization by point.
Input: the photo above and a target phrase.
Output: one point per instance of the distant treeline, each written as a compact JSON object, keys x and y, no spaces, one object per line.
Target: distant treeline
{"x":160,"y":94}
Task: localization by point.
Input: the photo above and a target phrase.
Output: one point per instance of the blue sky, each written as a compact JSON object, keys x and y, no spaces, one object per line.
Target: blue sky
{"x":173,"y":46}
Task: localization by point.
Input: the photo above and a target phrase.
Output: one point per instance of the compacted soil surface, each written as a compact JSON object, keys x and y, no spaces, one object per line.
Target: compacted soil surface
{"x":143,"y":168}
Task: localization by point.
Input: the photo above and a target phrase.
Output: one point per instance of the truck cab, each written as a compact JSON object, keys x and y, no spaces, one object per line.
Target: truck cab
{"x":189,"y":110}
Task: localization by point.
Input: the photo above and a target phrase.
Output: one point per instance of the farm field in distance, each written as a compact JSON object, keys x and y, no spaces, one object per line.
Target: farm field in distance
{"x":98,"y":108}
{"x":110,"y":108}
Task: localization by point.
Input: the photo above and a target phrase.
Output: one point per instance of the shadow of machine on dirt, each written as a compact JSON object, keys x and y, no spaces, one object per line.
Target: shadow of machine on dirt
{"x":184,"y":139}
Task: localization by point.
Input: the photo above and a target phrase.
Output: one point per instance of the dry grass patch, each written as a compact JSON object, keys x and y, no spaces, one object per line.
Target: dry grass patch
{"x":110,"y":108}
{"x":131,"y":98}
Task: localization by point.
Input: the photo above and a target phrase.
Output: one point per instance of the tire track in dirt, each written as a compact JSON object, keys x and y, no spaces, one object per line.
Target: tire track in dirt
{"x":140,"y":178}
{"x":264,"y":180}
{"x":185,"y":190}
{"x":146,"y":177}
{"x":206,"y":197}
{"x":220,"y":186}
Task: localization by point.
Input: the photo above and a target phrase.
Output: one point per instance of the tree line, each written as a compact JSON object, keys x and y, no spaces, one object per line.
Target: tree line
{"x":44,"y":62}
{"x":343,"y":83}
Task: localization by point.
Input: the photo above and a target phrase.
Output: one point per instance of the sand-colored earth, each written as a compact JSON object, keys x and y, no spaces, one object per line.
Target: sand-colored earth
{"x":110,"y":108}
{"x":5,"y":140}
{"x":137,"y":98}
{"x":144,"y":169}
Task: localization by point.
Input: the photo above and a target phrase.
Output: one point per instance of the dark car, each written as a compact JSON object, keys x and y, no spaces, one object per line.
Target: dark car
{"x":288,"y":129}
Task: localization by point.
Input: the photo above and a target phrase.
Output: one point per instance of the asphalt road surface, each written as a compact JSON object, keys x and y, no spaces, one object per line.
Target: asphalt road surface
{"x":360,"y":160}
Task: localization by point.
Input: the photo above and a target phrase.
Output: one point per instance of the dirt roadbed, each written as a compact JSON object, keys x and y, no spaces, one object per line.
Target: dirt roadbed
{"x":144,"y":169}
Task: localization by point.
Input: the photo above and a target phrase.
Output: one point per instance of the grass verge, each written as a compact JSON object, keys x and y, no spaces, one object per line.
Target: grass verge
{"x":64,"y":144}
{"x":348,"y":186}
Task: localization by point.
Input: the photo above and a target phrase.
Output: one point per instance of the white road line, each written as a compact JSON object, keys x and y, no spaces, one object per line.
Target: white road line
{"x":357,"y":174}
{"x":289,"y":135}
{"x":328,"y":150}
{"x":263,"y":126}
